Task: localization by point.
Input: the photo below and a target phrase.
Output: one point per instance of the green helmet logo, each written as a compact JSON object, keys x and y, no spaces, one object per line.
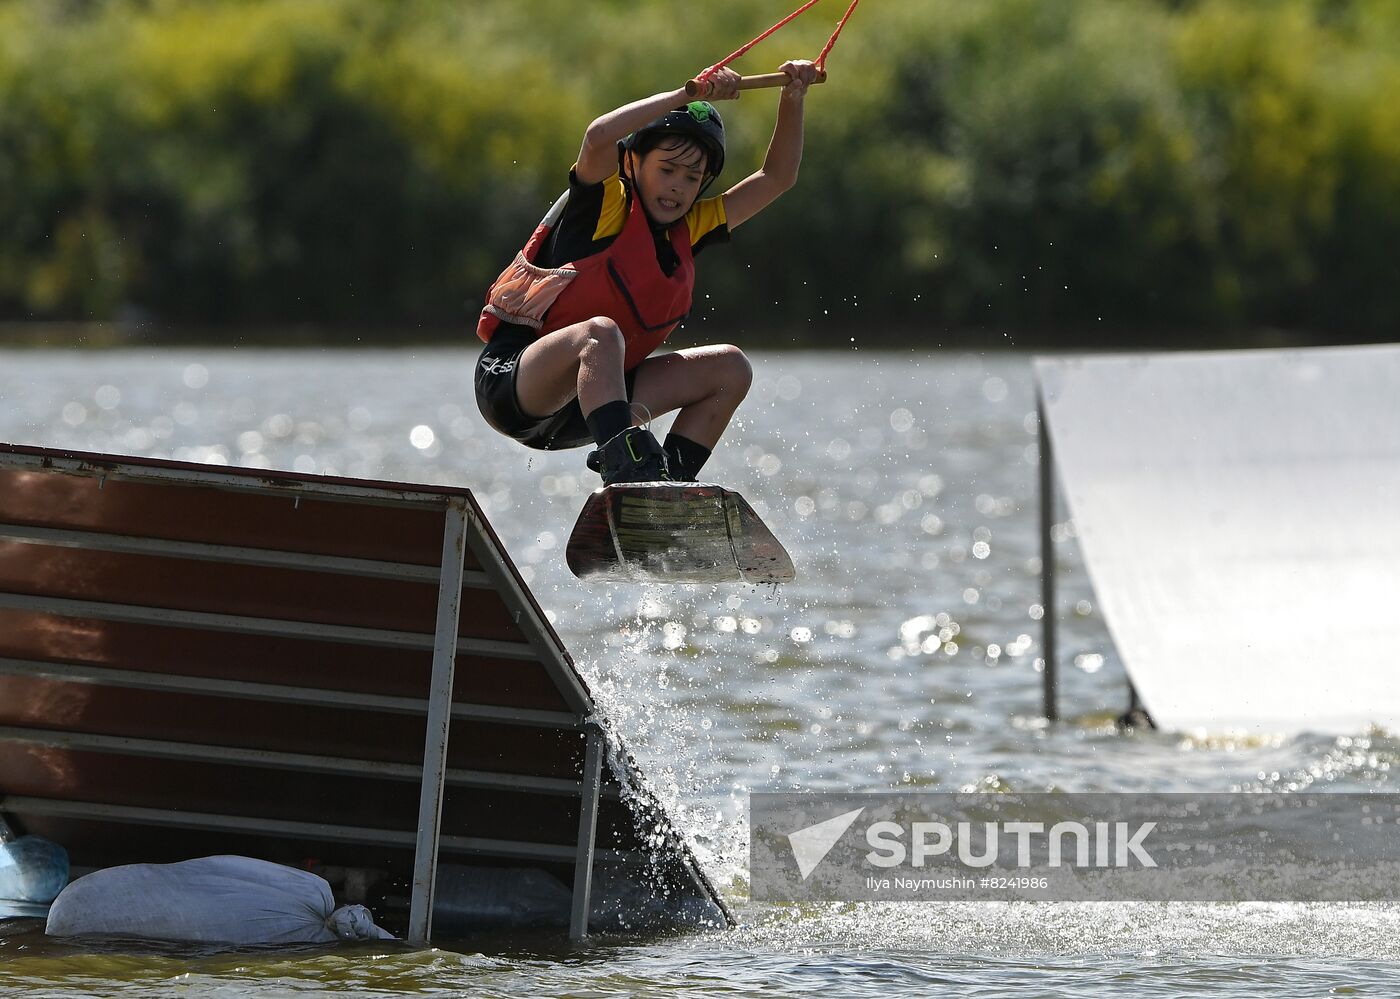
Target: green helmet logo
{"x":700,"y":110}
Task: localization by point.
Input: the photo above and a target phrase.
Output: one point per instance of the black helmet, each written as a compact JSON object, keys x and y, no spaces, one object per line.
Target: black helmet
{"x":698,"y":120}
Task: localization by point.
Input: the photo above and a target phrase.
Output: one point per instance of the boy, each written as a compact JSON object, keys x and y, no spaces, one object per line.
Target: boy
{"x":570,"y":324}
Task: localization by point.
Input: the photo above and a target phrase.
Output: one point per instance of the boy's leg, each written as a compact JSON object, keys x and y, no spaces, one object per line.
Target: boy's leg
{"x":585,"y":361}
{"x":706,"y":384}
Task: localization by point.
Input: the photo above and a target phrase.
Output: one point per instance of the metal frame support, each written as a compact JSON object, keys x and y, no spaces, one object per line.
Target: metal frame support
{"x":1137,"y":715}
{"x":538,"y":635}
{"x":589,"y":792}
{"x":1047,"y":563}
{"x":425,"y":857}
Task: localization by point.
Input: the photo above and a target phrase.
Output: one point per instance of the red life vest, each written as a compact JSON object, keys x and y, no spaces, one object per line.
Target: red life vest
{"x":624,"y":283}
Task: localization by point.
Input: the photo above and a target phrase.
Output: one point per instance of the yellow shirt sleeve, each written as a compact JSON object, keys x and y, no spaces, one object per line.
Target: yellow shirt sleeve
{"x":705,"y":217}
{"x":612,"y":214}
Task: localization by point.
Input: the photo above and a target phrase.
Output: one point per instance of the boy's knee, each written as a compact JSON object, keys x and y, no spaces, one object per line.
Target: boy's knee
{"x":602,"y":332}
{"x":736,"y":369}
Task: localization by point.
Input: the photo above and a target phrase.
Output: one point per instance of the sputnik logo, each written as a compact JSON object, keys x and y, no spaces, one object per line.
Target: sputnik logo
{"x":811,"y":845}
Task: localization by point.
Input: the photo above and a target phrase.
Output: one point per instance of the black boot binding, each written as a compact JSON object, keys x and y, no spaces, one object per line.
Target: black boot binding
{"x":634,"y":455}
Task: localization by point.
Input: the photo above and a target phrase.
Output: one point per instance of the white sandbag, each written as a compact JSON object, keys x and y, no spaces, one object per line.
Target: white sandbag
{"x":32,"y":870}
{"x":232,"y":900}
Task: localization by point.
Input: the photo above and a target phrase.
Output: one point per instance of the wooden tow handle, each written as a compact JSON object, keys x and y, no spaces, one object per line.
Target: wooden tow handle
{"x":694,"y":88}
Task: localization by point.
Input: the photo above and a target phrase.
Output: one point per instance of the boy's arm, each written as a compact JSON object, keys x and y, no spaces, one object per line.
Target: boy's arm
{"x":779,"y":171}
{"x":597,"y":158}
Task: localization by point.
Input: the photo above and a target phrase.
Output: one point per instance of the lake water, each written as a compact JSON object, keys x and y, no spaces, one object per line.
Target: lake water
{"x":904,"y":485}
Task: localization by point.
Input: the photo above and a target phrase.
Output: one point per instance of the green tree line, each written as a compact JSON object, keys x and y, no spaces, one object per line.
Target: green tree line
{"x":1004,"y":165}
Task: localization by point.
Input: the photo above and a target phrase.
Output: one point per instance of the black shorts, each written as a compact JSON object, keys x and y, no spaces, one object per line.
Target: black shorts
{"x":496,"y":398}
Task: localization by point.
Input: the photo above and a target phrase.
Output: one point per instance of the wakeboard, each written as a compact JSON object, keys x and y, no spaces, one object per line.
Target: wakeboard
{"x":674,"y":532}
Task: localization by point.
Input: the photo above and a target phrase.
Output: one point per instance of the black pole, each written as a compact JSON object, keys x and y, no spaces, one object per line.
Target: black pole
{"x":1047,"y":560}
{"x":1137,"y":715}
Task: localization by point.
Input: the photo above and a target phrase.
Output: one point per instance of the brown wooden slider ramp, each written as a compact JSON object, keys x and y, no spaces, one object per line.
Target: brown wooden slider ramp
{"x":199,"y":660}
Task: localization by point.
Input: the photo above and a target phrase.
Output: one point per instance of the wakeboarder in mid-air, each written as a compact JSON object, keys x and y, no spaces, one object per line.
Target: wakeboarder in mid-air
{"x":572,"y":324}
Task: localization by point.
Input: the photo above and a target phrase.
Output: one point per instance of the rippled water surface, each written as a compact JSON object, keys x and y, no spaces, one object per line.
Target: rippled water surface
{"x":904,"y":656}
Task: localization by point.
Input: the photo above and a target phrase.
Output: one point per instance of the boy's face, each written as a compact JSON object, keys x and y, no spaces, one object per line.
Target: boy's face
{"x":668,"y":177}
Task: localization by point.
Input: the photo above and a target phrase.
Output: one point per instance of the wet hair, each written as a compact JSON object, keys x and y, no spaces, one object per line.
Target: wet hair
{"x":685,"y":152}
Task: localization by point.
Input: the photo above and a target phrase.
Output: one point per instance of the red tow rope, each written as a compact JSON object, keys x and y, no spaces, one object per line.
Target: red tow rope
{"x":819,"y":62}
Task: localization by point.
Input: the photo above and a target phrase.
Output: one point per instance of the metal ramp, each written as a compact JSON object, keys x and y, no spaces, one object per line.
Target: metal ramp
{"x":199,"y":660}
{"x":1237,"y":515}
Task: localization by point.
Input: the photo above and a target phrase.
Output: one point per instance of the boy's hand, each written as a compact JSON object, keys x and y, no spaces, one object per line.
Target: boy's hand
{"x":722,"y":85}
{"x":801,"y":74}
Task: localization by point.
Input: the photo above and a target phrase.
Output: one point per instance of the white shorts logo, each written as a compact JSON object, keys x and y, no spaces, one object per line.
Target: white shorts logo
{"x":496,"y":366}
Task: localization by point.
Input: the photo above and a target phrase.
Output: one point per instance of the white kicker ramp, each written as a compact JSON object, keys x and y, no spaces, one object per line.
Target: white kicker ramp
{"x":1239,"y":513}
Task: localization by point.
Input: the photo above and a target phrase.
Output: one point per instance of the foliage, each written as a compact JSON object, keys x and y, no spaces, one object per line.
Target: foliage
{"x":1001,"y":164}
